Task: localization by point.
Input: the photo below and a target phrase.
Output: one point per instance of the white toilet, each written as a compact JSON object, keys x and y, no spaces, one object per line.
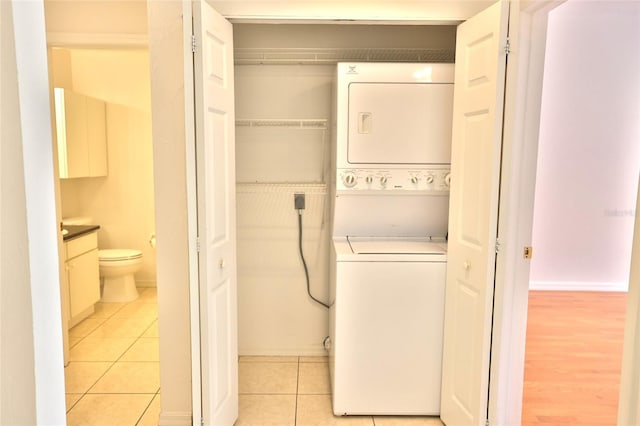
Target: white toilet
{"x":117,"y":267}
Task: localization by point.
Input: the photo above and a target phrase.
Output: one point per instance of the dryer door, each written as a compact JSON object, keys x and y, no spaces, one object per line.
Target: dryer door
{"x":400,"y":123}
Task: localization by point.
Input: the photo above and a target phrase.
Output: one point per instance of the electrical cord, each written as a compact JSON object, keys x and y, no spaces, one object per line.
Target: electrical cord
{"x":304,"y":263}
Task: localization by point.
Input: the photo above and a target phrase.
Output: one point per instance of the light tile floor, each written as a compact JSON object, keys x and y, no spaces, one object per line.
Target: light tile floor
{"x":113,"y":377}
{"x":295,"y":391}
{"x":113,"y":374}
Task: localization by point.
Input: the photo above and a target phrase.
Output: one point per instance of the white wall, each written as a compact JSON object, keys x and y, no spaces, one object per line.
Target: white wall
{"x":121,"y":203}
{"x":170,"y":177}
{"x":275,"y":314}
{"x":17,"y":383}
{"x":429,"y":10}
{"x":589,"y":155}
{"x":31,"y":367}
{"x":343,"y":36}
{"x":96,"y":17}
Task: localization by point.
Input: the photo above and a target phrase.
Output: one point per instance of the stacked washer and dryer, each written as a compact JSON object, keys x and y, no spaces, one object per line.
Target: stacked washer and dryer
{"x":390,"y":217}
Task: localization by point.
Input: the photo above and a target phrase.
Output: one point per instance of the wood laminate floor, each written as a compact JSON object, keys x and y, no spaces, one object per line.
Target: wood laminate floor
{"x":573,"y":358}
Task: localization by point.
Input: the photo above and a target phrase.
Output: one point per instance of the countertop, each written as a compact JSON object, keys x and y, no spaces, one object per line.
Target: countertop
{"x":76,"y":231}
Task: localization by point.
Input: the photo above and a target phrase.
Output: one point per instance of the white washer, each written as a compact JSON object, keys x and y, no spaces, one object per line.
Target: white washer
{"x":386,"y":353}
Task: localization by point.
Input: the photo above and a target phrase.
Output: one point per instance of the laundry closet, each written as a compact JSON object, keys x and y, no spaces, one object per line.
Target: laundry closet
{"x":284,"y":101}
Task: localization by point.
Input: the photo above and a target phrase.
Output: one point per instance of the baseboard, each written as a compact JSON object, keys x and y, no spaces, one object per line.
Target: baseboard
{"x":578,"y":286}
{"x":146,"y":283}
{"x":176,"y":418}
{"x":287,"y":352}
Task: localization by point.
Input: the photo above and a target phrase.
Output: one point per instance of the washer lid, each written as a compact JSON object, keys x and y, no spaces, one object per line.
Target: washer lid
{"x":118,"y":254}
{"x":396,"y":246}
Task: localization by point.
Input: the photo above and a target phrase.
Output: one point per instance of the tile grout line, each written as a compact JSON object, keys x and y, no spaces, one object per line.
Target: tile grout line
{"x":113,"y":363}
{"x":104,"y":319}
{"x":146,"y":409}
{"x":98,"y":379}
{"x":295,"y":414}
{"x":124,"y":393}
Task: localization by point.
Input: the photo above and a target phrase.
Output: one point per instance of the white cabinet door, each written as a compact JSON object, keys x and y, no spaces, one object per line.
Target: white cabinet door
{"x":84,"y":284}
{"x":473,"y":214}
{"x":76,"y":162}
{"x":97,"y":136}
{"x":81,"y":134}
{"x":215,"y":151}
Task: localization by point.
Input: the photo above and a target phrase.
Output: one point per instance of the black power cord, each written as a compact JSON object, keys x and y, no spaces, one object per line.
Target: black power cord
{"x":304,"y":263}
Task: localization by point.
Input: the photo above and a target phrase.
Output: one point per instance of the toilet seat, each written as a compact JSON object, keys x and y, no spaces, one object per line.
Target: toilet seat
{"x":115,"y":255}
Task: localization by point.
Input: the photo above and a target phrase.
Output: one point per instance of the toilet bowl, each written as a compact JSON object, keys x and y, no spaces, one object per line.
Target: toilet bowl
{"x":117,"y":267}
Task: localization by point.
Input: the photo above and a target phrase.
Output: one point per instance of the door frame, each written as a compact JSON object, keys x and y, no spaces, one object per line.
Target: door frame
{"x":629,"y":403}
{"x":29,"y":57}
{"x":192,"y":209}
{"x":523,"y":99}
{"x":522,"y":122}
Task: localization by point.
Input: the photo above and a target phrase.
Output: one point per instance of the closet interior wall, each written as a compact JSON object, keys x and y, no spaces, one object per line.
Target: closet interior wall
{"x":284,"y":77}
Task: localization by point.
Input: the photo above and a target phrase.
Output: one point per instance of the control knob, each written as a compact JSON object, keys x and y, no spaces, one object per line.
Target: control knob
{"x":369,"y":179}
{"x":383,"y":181}
{"x":414,"y":179}
{"x":349,"y":180}
{"x":429,"y":179}
{"x":447,"y":179}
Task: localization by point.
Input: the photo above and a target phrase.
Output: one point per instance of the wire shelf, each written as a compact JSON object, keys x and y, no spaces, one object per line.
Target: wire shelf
{"x":283,"y":56}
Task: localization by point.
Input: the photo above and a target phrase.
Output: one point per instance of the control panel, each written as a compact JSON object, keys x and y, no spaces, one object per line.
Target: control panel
{"x":426,"y":180}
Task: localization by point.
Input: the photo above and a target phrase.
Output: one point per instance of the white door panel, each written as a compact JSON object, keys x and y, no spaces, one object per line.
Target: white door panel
{"x":215,"y":147}
{"x":475,"y":170}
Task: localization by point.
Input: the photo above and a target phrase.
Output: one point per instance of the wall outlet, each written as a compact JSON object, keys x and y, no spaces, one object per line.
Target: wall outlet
{"x":298,"y":201}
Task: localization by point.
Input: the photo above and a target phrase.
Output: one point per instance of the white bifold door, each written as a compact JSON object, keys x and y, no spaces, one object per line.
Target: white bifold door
{"x":473,"y":215}
{"x":215,"y":152}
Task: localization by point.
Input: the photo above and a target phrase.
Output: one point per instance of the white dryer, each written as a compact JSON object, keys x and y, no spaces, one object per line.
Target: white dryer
{"x":390,"y":217}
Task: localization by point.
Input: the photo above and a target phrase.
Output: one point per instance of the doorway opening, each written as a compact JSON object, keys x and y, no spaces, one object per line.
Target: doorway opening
{"x":112,"y":352}
{"x":586,"y":187}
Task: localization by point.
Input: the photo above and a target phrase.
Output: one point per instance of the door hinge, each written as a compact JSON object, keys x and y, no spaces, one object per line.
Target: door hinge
{"x":497,"y":246}
{"x":198,"y":244}
{"x":486,"y":422}
{"x":201,"y":421}
{"x":528,"y":252}
{"x":507,"y":47}
{"x":193,"y":43}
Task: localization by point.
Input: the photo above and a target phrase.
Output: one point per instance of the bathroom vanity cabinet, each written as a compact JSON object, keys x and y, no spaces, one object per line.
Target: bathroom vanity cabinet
{"x":83,"y":276}
{"x":81,"y":133}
